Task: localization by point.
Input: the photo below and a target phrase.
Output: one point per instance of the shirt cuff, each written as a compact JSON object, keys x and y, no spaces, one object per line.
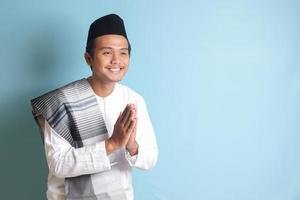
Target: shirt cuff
{"x":131,"y":159}
{"x":100,"y":158}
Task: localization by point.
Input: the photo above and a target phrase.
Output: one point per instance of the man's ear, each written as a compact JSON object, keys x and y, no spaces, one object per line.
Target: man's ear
{"x":88,"y":58}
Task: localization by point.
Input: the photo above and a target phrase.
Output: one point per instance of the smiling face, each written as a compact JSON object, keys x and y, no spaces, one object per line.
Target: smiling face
{"x":110,"y":60}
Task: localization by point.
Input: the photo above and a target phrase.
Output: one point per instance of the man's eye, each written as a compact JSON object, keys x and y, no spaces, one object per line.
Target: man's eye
{"x":124,"y":53}
{"x":106,"y":52}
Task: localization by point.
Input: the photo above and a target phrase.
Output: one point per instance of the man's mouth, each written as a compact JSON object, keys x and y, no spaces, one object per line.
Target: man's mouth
{"x":115,"y":70}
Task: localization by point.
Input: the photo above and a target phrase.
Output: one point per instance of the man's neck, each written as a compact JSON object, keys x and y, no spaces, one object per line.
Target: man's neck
{"x":101,"y":89}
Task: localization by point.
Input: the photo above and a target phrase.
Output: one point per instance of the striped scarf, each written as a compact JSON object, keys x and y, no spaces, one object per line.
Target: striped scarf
{"x":73,"y":112}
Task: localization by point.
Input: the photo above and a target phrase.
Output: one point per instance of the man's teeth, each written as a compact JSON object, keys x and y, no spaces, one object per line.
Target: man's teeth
{"x":114,"y":69}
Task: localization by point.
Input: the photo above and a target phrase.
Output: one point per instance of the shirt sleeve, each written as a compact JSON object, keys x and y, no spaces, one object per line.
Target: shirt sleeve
{"x":66,"y":161}
{"x":145,"y":137}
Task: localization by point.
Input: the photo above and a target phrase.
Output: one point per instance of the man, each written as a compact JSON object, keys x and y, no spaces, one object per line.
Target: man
{"x":95,"y":130}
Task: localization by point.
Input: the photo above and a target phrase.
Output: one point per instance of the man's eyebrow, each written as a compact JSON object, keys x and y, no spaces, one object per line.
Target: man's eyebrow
{"x":105,"y":48}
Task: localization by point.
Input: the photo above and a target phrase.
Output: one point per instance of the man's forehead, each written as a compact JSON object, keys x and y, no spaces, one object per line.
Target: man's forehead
{"x":111,"y":48}
{"x":112,"y":41}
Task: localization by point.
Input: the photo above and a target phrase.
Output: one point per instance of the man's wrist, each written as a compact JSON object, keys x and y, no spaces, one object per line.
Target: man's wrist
{"x":109,"y":146}
{"x":133,"y":148}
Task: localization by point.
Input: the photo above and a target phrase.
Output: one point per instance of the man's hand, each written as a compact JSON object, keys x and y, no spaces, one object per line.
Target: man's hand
{"x":132,"y":146}
{"x":123,"y":128}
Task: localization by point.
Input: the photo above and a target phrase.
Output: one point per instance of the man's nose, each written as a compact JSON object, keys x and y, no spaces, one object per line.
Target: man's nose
{"x":115,"y":59}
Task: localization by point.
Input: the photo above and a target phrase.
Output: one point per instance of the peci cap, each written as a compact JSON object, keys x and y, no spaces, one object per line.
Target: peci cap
{"x":108,"y":24}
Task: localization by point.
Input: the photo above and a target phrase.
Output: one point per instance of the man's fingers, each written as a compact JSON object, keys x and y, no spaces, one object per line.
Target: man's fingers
{"x":131,"y":126}
{"x":127,"y":117}
{"x":130,"y":117}
{"x":124,"y":114}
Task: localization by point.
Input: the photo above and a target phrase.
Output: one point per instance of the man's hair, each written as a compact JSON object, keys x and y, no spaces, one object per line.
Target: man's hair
{"x":90,"y":47}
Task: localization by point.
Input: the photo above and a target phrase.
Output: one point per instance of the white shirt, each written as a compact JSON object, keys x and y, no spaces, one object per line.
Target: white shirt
{"x":113,"y":171}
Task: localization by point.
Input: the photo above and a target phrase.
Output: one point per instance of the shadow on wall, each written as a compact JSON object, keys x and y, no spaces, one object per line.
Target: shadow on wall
{"x":23,"y":164}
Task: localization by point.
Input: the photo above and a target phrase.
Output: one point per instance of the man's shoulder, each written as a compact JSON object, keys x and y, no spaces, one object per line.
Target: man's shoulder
{"x":69,"y":85}
{"x":74,"y":87}
{"x":78,"y":84}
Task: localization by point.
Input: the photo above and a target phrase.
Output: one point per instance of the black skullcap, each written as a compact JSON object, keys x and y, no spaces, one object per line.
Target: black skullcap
{"x":108,"y":24}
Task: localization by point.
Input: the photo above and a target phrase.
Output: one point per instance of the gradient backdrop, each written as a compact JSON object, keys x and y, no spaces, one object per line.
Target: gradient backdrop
{"x":221,"y":80}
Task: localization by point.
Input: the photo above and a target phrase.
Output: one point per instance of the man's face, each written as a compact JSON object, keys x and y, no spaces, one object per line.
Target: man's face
{"x":111,"y":58}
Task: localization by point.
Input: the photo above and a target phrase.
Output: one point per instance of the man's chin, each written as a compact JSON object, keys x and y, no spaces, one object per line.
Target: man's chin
{"x":117,"y":79}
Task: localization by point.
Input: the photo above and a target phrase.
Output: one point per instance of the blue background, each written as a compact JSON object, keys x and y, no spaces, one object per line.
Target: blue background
{"x":221,"y":80}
